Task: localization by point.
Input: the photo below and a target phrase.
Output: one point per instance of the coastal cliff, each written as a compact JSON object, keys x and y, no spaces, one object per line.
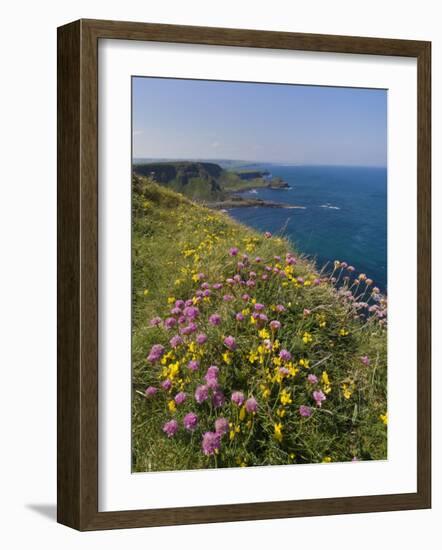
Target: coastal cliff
{"x":206,"y":181}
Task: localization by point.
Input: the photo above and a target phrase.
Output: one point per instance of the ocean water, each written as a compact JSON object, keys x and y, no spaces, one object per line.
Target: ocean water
{"x":345,"y":215}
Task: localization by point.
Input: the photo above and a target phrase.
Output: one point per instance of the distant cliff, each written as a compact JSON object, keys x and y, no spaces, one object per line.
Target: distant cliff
{"x":205,"y":181}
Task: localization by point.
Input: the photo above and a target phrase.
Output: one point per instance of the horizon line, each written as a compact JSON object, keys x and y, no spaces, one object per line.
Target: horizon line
{"x":246,"y":161}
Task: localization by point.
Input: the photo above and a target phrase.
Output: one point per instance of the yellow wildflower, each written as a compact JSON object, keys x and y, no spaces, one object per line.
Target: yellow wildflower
{"x":145,"y":292}
{"x":242,"y":413}
{"x":265,"y":391}
{"x":174,"y":370}
{"x":304,"y":363}
{"x":171,"y":406}
{"x":170,"y":300}
{"x":192,"y":347}
{"x":343,"y":332}
{"x":307,"y":338}
{"x":326,"y":459}
{"x":285,"y":397}
{"x":227,"y":357}
{"x":264,"y":333}
{"x":278,"y":431}
{"x":346,"y":392}
{"x":322,"y":320}
{"x":326,"y":382}
{"x":384,"y":418}
{"x":233,"y":431}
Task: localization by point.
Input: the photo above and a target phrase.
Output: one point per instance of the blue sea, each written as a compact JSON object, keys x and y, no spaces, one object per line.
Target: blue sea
{"x":345,"y":215}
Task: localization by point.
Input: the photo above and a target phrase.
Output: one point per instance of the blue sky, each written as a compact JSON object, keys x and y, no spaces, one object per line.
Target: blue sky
{"x":199,"y":119}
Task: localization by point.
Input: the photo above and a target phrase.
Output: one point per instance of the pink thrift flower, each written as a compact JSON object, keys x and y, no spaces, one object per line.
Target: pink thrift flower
{"x":167,"y":384}
{"x":176,"y":341}
{"x":190,"y":421}
{"x":285,"y":355}
{"x":365,"y":360}
{"x":150,"y":391}
{"x":193,"y":365}
{"x":218,"y":398}
{"x":201,"y":394}
{"x":170,"y":322}
{"x":312,"y":378}
{"x":275,"y":325}
{"x":191,"y":312}
{"x":170,"y":428}
{"x":201,"y":339}
{"x":211,"y":443}
{"x":251,"y":405}
{"x":221,"y":425}
{"x":305,"y":411}
{"x":237,"y":398}
{"x":156,"y":321}
{"x":230,"y":343}
{"x":156,"y":353}
{"x":215,"y":319}
{"x":233,"y":251}
{"x":319,"y":397}
{"x":180,"y":398}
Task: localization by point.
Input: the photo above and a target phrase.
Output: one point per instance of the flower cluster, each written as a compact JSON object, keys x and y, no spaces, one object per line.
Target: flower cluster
{"x":253,"y":358}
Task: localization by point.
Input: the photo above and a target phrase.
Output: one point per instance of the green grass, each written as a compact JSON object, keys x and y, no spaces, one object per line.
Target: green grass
{"x":174,"y":240}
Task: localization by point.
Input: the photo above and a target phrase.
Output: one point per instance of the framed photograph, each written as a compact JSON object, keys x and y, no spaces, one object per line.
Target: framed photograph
{"x":243,"y":274}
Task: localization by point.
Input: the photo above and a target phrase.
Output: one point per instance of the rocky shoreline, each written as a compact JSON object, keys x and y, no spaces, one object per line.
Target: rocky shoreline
{"x":239,"y":202}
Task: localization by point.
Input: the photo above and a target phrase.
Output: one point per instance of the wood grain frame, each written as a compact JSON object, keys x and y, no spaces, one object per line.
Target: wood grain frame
{"x":77,"y":409}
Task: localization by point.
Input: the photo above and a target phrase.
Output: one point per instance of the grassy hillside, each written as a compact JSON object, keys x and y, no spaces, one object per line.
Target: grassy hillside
{"x":202,"y":181}
{"x":266,"y":362}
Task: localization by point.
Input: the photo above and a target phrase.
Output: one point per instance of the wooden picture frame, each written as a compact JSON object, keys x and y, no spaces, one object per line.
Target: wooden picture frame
{"x":78,"y":274}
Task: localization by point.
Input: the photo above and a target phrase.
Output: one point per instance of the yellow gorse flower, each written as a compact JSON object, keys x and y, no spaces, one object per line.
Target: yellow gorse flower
{"x":307,"y":338}
{"x":384,"y":418}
